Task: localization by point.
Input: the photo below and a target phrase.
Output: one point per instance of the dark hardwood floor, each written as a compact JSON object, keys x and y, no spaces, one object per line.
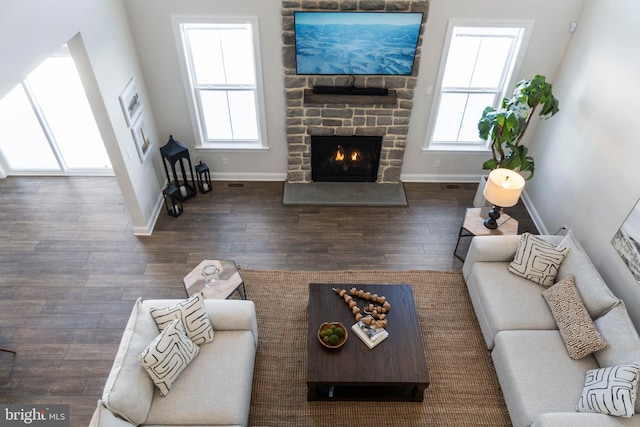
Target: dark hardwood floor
{"x":71,"y":268}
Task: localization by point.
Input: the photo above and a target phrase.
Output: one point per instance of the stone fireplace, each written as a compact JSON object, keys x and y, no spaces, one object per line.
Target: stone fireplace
{"x":312,"y":114}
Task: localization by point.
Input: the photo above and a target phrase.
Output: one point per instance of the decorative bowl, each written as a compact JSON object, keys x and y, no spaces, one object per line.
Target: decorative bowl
{"x":341,"y":339}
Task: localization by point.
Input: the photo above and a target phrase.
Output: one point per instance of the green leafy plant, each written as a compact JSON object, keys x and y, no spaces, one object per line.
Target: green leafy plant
{"x":506,"y":126}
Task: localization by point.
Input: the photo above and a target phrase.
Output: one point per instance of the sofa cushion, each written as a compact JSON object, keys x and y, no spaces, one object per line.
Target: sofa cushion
{"x":578,"y":331}
{"x":583,"y":419}
{"x":610,"y":391}
{"x":193,"y":315}
{"x":504,"y":301}
{"x":168,"y":355}
{"x":537,"y":260}
{"x":596,"y":295}
{"x":215,"y":389}
{"x":535,"y":374}
{"x":624,"y":342}
{"x":128,"y":390}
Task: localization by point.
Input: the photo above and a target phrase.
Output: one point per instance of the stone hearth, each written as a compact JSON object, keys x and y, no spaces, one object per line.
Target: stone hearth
{"x":341,"y":115}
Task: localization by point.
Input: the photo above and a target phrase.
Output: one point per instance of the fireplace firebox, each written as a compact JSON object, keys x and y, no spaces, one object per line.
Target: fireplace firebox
{"x":345,"y":158}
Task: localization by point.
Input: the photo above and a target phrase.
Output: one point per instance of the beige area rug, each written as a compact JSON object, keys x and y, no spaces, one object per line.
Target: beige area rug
{"x":464,"y":390}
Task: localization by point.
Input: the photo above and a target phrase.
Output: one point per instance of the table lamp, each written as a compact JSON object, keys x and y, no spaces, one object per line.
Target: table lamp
{"x":502,"y":191}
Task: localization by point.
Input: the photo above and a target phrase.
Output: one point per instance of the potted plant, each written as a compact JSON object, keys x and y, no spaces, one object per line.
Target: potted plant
{"x":505,"y":128}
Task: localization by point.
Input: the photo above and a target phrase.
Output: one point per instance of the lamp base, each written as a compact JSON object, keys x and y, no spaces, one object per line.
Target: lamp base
{"x":494,"y":214}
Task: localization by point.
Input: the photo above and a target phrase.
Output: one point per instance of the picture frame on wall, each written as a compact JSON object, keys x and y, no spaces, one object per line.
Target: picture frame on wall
{"x":140,"y":133}
{"x":627,"y":241}
{"x":131,"y":102}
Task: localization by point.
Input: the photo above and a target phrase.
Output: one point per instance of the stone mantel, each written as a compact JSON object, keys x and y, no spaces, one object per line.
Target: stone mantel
{"x":327,"y":114}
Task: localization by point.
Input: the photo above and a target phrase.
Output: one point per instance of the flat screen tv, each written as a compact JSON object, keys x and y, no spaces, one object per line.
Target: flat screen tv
{"x":356,"y":43}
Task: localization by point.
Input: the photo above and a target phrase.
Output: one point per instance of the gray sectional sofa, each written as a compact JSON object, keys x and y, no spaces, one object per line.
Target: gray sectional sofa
{"x":213,"y":390}
{"x":540,"y":382}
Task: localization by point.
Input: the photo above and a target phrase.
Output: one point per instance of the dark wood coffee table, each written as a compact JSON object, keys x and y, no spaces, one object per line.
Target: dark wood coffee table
{"x":395,"y":369}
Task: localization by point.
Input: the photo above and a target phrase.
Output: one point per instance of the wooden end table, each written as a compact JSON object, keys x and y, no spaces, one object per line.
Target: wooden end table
{"x":396,"y":369}
{"x":230,"y":280}
{"x":473,"y":225}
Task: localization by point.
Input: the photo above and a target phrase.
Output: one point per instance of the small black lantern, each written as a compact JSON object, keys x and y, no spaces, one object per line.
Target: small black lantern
{"x":204,"y":177}
{"x":174,"y":152}
{"x":172,"y":201}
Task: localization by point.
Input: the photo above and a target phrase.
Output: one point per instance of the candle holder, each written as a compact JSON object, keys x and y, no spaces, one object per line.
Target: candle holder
{"x":176,"y":154}
{"x":172,"y":201}
{"x":203,"y":177}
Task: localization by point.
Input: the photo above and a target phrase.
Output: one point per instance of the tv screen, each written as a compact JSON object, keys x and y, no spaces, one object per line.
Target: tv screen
{"x":356,"y":43}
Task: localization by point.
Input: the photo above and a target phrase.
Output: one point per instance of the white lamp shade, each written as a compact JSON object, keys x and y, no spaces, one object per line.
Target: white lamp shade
{"x":503,"y":187}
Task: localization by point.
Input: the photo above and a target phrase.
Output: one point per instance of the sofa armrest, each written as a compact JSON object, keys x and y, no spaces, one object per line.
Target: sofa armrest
{"x":496,"y":249}
{"x":490,"y":248}
{"x":230,"y":315}
{"x":102,"y":417}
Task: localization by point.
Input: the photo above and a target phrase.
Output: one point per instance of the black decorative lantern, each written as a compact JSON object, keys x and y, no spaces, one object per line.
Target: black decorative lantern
{"x":174,"y":152}
{"x":172,"y":201}
{"x":204,"y":177}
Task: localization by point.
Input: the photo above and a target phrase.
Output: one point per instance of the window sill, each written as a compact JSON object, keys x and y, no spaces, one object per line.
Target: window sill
{"x":232,"y":147}
{"x":457,"y":147}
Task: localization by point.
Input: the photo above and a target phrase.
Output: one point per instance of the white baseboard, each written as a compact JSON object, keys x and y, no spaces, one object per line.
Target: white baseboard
{"x":147,"y":230}
{"x":440,"y":177}
{"x":533,"y":213}
{"x":248,"y":176}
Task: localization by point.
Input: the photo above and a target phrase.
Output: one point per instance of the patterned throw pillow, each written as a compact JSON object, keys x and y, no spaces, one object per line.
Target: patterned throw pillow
{"x":580,"y":335}
{"x":537,"y":260}
{"x":610,"y":391}
{"x":193,"y":315}
{"x":168,"y":355}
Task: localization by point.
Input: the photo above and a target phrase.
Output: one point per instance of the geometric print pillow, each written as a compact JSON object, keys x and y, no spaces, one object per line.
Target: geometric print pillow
{"x":193,"y":315}
{"x":610,"y":390}
{"x":168,"y":355}
{"x":537,"y":260}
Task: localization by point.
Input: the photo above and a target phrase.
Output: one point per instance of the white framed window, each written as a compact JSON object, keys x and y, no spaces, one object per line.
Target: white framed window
{"x":48,"y":126}
{"x":221,"y":68}
{"x":477,"y":68}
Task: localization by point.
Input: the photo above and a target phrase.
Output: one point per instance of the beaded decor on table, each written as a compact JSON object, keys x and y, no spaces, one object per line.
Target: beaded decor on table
{"x":373,"y":314}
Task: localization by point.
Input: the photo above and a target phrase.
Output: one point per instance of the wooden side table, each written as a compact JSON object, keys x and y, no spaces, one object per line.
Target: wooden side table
{"x":473,"y":225}
{"x":230,"y":280}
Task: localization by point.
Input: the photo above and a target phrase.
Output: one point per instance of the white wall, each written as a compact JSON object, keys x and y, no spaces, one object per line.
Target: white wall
{"x":157,"y":49}
{"x":546,"y":48}
{"x":587,"y":174}
{"x":156,"y":45}
{"x":30,"y":30}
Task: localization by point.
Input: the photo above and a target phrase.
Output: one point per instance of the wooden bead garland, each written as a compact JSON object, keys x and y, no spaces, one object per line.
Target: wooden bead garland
{"x":376,"y":314}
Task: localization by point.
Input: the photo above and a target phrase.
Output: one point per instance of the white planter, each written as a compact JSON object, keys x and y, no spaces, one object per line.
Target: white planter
{"x":479,"y":201}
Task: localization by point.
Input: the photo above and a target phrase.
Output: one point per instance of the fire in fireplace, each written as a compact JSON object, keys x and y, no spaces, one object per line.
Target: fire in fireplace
{"x":345,"y":158}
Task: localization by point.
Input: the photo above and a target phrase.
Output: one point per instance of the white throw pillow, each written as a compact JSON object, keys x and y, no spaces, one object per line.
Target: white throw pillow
{"x":193,"y":315}
{"x":610,"y":391}
{"x":537,"y":260}
{"x":168,"y":355}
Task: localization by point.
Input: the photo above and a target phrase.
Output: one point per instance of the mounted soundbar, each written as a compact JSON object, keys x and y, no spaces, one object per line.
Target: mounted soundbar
{"x":350,"y":90}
